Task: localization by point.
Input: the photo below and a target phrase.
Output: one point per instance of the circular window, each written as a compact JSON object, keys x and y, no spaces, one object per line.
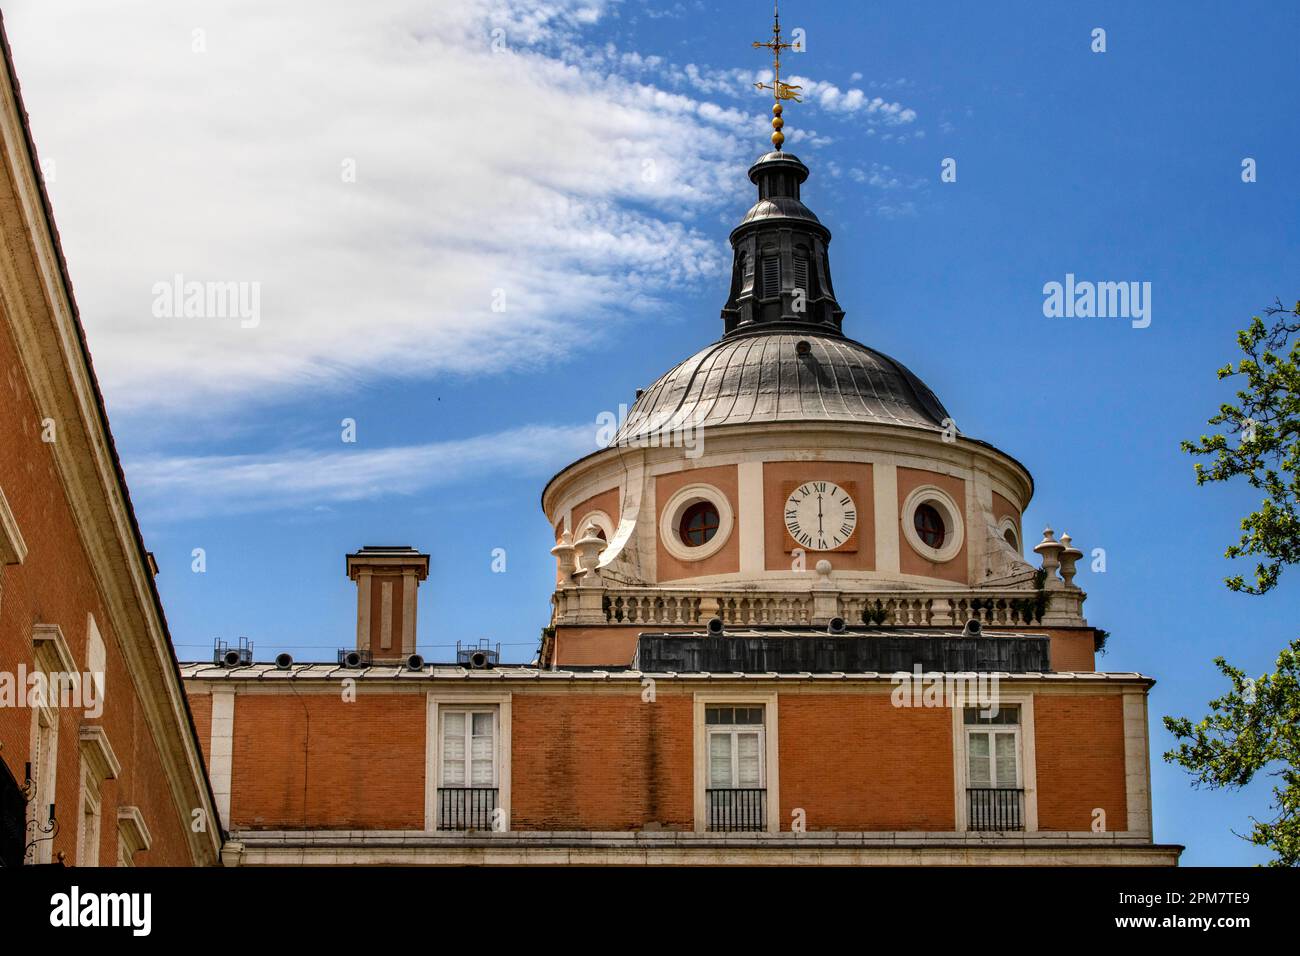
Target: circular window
{"x":932,"y":524}
{"x":604,"y":526}
{"x":929,"y":525}
{"x":1010,"y":533}
{"x":699,"y":523}
{"x":695,"y":522}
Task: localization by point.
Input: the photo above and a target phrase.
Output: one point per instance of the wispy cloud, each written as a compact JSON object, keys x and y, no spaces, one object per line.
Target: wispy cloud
{"x":503,"y":199}
{"x":415,"y":187}
{"x":173,"y":488}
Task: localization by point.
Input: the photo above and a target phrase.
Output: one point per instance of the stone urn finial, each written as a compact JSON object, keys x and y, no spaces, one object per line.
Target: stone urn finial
{"x":1050,"y":549}
{"x":1069,"y":556}
{"x":589,"y":547}
{"x":563,"y":552}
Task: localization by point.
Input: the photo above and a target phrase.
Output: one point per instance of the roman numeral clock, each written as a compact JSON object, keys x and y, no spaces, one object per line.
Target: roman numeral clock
{"x":820,"y":515}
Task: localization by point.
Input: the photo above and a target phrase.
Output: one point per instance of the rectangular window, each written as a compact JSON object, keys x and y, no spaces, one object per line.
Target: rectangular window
{"x":771,"y":277}
{"x":468,"y":775}
{"x":737,"y":782}
{"x":993,"y":770}
{"x":44,"y":764}
{"x":89,"y":821}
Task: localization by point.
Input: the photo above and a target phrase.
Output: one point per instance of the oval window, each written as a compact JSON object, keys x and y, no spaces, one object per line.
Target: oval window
{"x":699,"y":523}
{"x":929,"y":525}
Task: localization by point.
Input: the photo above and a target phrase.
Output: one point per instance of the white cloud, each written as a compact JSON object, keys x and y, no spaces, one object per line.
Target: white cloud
{"x":475,"y":171}
{"x":579,"y":180}
{"x":854,"y":101}
{"x":298,"y":480}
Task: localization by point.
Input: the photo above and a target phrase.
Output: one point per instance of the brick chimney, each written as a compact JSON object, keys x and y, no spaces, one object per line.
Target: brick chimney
{"x":387,"y":579}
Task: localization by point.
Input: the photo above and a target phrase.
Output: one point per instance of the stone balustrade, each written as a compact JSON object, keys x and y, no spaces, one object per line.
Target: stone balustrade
{"x":693,"y":607}
{"x":590,"y":596}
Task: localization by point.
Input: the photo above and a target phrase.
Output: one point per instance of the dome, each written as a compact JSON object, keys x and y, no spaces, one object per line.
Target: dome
{"x":765,"y":377}
{"x":779,"y":207}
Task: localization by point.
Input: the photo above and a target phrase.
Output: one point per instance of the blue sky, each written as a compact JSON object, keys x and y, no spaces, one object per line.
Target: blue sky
{"x":591,"y":170}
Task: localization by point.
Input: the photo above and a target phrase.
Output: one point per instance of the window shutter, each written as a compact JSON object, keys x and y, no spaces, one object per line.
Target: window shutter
{"x":801,"y":275}
{"x":977,"y":756}
{"x":747,"y":761}
{"x":771,"y":277}
{"x":482,"y":751}
{"x":1004,"y":751}
{"x":453,"y":749}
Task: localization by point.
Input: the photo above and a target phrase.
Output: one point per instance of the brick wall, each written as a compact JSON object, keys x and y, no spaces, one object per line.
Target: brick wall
{"x":1080,"y":758}
{"x":314,"y":761}
{"x":55,"y":585}
{"x":856,"y":762}
{"x":583,"y":760}
{"x":601,"y":762}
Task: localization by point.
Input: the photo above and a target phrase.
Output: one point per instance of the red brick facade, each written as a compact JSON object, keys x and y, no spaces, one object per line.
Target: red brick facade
{"x":593,"y":759}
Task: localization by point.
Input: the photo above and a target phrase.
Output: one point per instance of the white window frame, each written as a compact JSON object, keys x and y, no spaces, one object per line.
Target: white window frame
{"x":470,"y":710}
{"x":1025,"y":756}
{"x":770,"y":766}
{"x":733,"y":731}
{"x":989,"y":730}
{"x":89,"y":837}
{"x":436,"y":704}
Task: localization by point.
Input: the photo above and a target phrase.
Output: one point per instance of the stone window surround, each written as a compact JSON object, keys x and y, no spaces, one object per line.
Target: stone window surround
{"x":600,"y":519}
{"x":676,"y":506}
{"x":1028,"y":762}
{"x":433,"y":747}
{"x":1007,"y":523}
{"x":954,"y":529}
{"x":766,"y":700}
{"x":98,"y":763}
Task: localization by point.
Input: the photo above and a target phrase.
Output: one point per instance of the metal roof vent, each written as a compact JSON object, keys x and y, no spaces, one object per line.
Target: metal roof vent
{"x":478,"y":657}
{"x":223,"y":655}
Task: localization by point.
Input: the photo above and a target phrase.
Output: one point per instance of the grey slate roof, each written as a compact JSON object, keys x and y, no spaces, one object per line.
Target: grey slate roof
{"x":759,"y":377}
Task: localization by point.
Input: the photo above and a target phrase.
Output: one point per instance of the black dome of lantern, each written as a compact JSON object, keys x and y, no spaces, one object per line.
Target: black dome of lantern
{"x":783,"y":355}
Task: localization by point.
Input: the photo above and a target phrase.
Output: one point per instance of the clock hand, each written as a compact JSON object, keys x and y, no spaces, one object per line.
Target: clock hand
{"x":819,"y":514}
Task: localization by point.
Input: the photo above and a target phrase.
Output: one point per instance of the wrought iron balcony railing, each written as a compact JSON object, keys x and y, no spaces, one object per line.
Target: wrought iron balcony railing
{"x":466,"y":808}
{"x":995,"y":808}
{"x":737,"y":809}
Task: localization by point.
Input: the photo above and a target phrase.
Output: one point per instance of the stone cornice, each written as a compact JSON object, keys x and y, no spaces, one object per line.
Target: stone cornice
{"x":724,"y":444}
{"x":99,"y":753}
{"x":13,"y":549}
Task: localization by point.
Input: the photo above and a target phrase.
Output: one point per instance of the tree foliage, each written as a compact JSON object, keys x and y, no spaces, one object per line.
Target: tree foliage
{"x":1261,"y":441}
{"x":1253,"y":728}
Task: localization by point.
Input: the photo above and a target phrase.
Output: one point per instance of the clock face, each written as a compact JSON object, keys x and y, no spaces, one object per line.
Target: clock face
{"x":820,"y":515}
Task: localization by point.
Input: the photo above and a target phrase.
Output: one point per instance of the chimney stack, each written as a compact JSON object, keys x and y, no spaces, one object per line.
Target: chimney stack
{"x":387,"y":579}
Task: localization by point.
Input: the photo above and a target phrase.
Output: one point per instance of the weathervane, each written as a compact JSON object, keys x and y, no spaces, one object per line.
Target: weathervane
{"x":780,"y":91}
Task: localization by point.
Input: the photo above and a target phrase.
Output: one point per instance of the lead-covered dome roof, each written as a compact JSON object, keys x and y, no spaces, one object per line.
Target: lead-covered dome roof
{"x":768,"y":377}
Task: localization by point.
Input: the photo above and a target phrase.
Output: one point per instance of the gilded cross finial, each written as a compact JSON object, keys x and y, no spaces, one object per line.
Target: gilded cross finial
{"x":780,"y":91}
